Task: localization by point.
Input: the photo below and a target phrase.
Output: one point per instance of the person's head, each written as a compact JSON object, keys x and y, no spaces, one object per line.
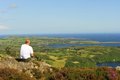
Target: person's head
{"x":27,"y":41}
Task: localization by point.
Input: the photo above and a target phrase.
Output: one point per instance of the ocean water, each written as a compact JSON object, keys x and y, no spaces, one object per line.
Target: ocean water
{"x":93,"y":37}
{"x":2,"y":36}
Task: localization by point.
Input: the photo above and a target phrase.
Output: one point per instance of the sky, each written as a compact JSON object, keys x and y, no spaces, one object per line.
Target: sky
{"x":59,"y":16}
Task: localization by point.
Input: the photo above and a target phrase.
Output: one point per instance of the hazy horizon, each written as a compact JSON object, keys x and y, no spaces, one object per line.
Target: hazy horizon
{"x":59,"y":17}
{"x":52,"y":33}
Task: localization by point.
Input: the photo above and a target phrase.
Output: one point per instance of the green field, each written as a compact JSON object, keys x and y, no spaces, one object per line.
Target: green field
{"x":77,"y":56}
{"x":67,"y":63}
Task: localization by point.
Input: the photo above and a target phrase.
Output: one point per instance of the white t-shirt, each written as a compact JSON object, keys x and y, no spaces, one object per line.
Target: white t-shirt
{"x":26,"y":51}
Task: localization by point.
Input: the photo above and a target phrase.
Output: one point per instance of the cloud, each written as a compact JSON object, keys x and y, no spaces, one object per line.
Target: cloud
{"x":3,"y":27}
{"x":1,"y":18}
{"x":3,"y":11}
{"x":5,"y":18}
{"x":12,"y":6}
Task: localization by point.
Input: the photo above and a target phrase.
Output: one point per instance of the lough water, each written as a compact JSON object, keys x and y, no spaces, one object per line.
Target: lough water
{"x":94,"y":37}
{"x":109,"y":64}
{"x":68,"y":45}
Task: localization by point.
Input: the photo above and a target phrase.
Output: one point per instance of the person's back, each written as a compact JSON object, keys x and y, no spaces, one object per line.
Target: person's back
{"x":26,"y":50}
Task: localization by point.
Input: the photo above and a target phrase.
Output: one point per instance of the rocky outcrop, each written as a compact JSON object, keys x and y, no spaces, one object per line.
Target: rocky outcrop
{"x":26,"y":67}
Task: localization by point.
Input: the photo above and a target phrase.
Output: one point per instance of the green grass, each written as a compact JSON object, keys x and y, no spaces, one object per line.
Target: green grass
{"x":59,"y":63}
{"x":61,"y":57}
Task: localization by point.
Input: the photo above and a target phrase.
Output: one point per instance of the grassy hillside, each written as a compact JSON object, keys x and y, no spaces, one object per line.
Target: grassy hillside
{"x":68,"y":63}
{"x":61,"y":57}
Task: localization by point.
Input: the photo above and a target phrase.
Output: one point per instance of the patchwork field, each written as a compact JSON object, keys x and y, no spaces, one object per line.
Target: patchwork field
{"x":63,"y":60}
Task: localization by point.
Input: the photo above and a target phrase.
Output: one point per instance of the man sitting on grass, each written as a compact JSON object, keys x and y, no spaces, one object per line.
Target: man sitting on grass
{"x":26,"y":51}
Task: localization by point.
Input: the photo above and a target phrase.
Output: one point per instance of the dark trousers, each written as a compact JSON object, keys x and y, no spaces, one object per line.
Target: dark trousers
{"x":23,"y":60}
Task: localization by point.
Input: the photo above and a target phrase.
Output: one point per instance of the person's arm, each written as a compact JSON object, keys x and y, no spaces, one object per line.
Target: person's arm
{"x":20,"y":52}
{"x":32,"y":53}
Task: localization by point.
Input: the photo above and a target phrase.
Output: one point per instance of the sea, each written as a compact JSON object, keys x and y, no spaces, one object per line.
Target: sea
{"x":90,"y":37}
{"x":108,"y":37}
{"x":93,"y":37}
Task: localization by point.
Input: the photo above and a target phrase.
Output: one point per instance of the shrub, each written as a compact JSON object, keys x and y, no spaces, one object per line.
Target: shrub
{"x":13,"y":74}
{"x":36,"y":73}
{"x":11,"y":50}
{"x":40,"y":57}
{"x":101,"y":73}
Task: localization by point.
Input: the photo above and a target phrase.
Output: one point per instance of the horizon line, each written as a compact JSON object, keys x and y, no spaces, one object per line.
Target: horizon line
{"x":53,"y":33}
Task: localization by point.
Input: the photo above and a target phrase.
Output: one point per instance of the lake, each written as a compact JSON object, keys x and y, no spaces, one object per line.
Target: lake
{"x":110,"y":64}
{"x":68,"y":45}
